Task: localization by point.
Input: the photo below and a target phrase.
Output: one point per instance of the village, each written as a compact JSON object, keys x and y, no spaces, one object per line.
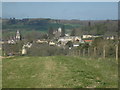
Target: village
{"x":57,"y":40}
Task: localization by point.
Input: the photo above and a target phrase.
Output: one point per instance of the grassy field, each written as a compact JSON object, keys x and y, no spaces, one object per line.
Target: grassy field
{"x":59,"y":72}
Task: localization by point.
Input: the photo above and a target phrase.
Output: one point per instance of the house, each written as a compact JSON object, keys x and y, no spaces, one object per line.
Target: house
{"x":2,"y":42}
{"x":67,"y":35}
{"x":64,"y":40}
{"x":70,"y":38}
{"x":75,"y":45}
{"x":24,"y":51}
{"x":11,"y":42}
{"x":41,"y":41}
{"x":51,"y":43}
{"x":27,"y":45}
{"x":87,"y":36}
{"x":110,"y":38}
{"x":95,"y":36}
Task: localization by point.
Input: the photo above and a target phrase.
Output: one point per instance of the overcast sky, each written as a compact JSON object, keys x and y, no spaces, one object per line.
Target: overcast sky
{"x":61,"y":10}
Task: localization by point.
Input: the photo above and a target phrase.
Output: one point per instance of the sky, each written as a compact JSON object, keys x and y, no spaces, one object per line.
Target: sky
{"x":61,"y":10}
{"x":60,"y":0}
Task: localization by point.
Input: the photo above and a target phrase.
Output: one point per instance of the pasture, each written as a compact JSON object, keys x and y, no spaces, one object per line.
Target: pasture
{"x":59,"y":72}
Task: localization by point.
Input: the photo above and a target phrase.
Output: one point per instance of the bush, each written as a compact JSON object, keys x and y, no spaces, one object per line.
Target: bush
{"x":45,"y":50}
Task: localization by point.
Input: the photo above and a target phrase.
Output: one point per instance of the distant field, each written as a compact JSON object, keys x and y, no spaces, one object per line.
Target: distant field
{"x":59,"y":72}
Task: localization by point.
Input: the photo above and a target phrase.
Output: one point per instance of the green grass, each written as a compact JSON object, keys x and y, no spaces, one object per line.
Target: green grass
{"x":59,"y":72}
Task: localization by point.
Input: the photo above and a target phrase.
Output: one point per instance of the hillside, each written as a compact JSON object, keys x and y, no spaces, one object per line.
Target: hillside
{"x":32,"y":24}
{"x":42,"y":25}
{"x":59,"y":72}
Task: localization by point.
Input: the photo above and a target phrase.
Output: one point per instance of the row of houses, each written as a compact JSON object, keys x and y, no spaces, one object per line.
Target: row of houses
{"x":76,"y":40}
{"x":62,"y":41}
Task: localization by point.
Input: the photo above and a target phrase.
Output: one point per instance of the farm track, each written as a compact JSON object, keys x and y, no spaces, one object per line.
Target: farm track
{"x":58,"y":72}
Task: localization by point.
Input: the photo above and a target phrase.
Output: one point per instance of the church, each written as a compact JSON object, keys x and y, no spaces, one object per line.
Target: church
{"x":57,"y":32}
{"x":17,"y":37}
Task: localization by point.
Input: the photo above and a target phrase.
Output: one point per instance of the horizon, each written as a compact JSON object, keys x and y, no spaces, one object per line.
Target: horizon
{"x":61,"y":19}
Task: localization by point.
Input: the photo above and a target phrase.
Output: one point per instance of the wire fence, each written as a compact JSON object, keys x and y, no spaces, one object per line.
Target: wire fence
{"x":104,"y":52}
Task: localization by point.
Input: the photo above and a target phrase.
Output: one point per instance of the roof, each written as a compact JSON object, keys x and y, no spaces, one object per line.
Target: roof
{"x":88,"y":40}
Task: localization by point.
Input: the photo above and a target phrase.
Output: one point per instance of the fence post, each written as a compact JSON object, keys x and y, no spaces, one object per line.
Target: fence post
{"x":88,"y":52}
{"x":104,"y":52}
{"x":117,"y":52}
{"x":83,"y":52}
{"x":73,"y":52}
{"x":70,"y":52}
{"x":76,"y":52}
{"x":94,"y":51}
{"x":79,"y":53}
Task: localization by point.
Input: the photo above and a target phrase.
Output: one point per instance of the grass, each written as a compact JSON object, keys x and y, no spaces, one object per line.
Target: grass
{"x":59,"y":72}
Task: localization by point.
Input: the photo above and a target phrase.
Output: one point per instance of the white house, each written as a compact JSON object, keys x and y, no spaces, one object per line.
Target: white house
{"x":24,"y":51}
{"x":65,"y":39}
{"x":52,"y":43}
{"x":75,"y":45}
{"x":28,"y":45}
{"x":87,"y":36}
{"x":67,"y":35}
{"x":70,"y":38}
{"x":41,"y":41}
{"x":110,"y":37}
{"x":11,"y":42}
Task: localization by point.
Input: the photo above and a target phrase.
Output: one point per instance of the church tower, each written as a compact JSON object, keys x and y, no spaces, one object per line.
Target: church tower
{"x":18,"y":37}
{"x":59,"y":30}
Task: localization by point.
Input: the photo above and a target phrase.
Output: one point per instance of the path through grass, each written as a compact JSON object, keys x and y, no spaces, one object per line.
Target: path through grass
{"x":59,"y":72}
